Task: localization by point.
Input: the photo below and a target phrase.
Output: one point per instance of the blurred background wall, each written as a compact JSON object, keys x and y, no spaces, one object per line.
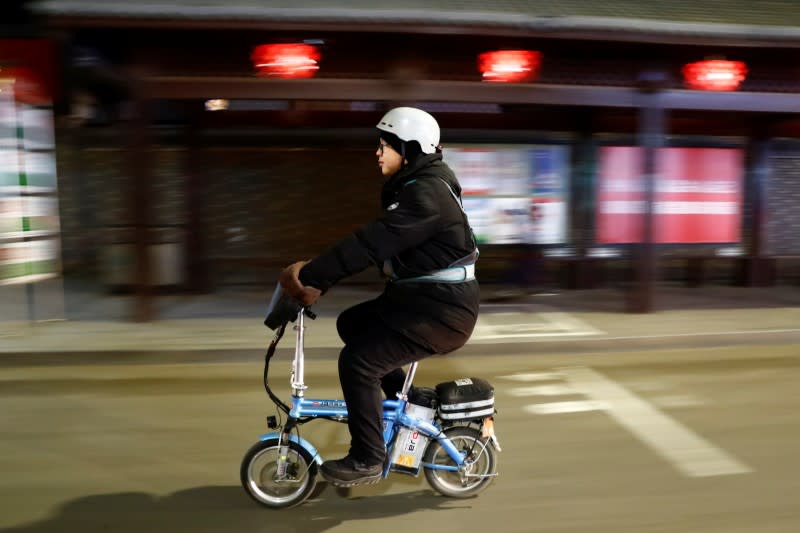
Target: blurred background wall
{"x":186,"y":162}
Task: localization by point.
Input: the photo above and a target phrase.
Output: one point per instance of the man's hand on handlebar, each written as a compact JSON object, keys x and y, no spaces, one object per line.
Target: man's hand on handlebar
{"x":290,"y":281}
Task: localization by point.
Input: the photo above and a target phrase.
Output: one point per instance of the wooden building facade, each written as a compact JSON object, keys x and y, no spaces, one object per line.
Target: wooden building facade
{"x":146,"y":167}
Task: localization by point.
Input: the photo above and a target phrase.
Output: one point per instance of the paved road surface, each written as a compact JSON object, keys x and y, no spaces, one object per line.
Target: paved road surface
{"x":666,"y":440}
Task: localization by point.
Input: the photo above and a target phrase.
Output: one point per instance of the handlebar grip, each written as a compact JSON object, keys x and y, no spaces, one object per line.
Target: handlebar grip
{"x":309,"y":313}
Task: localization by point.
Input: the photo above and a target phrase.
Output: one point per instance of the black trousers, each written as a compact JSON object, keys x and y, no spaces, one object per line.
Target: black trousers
{"x":370,"y":367}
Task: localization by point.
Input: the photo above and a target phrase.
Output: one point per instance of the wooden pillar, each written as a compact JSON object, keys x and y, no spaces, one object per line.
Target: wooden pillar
{"x":584,"y":273}
{"x":197,"y":272}
{"x":755,"y":268}
{"x":141,"y":187}
{"x":651,"y":138}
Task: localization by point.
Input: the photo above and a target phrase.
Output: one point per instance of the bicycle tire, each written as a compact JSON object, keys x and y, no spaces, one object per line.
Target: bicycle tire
{"x":259,"y":466}
{"x":470,"y":481}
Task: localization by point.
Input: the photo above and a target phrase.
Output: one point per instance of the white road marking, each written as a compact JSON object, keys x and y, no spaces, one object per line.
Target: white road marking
{"x":648,"y":385}
{"x":497,"y":336}
{"x":526,"y":323}
{"x":687,"y":451}
{"x":542,"y":390}
{"x":579,"y":406}
{"x":534,"y":376}
{"x":569,"y":322}
{"x":696,"y":334}
{"x":676,"y":401}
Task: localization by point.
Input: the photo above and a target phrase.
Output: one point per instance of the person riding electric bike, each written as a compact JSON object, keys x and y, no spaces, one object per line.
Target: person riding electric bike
{"x":423,"y":244}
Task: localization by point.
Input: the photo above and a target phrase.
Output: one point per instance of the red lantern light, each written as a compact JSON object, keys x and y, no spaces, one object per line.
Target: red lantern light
{"x":714,"y":75}
{"x":286,"y":60}
{"x":509,"y":66}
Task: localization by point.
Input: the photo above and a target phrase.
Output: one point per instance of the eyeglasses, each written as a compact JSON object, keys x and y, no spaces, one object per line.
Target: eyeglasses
{"x":382,"y":147}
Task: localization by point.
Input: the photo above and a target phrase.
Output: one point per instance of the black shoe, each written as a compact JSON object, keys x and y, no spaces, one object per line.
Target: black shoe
{"x":347,"y":472}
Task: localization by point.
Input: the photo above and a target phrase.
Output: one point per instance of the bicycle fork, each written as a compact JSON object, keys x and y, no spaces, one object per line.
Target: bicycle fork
{"x":282,"y":471}
{"x":283,"y":458}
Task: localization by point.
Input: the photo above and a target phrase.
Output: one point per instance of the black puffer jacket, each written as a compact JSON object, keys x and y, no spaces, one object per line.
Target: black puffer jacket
{"x":422,"y":229}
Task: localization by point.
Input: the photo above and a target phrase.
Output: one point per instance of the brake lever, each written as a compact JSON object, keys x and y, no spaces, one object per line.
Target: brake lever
{"x":309,"y":313}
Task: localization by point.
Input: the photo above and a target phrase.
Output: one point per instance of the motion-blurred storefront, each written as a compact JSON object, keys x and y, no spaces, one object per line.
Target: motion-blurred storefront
{"x":592,"y":150}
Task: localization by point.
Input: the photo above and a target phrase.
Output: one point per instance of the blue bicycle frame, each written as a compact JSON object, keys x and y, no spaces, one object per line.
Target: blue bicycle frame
{"x":394,"y":416}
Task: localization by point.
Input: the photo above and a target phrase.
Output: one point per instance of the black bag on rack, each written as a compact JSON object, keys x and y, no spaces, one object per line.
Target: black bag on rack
{"x":465,"y":399}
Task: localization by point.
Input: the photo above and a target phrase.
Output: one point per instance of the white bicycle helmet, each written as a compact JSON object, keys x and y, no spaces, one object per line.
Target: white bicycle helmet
{"x":412,"y":124}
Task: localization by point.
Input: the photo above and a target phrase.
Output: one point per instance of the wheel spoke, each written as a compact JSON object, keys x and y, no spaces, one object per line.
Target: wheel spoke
{"x":474,"y":476}
{"x":259,"y":475}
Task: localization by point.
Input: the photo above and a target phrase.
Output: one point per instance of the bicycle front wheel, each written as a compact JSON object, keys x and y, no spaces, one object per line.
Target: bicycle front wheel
{"x":260,"y":480}
{"x":477,"y":475}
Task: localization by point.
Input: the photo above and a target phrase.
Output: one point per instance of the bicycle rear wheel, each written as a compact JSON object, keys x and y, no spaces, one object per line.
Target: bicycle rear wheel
{"x":480,"y":469}
{"x":259,"y":469}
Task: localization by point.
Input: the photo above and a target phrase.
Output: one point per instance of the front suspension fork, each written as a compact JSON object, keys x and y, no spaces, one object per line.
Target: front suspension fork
{"x":283,"y":451}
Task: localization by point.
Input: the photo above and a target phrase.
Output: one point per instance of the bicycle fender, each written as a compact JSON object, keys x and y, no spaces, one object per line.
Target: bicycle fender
{"x":307,"y":446}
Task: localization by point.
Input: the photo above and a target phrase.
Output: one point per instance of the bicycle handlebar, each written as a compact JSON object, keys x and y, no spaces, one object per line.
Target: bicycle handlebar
{"x":284,"y":309}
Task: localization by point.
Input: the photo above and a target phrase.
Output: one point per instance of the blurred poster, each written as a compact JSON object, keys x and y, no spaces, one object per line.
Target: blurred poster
{"x":513,"y":194}
{"x":698,"y":195}
{"x":29,"y":220}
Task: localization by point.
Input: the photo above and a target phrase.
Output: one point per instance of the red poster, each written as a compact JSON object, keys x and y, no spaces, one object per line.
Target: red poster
{"x":698,"y":196}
